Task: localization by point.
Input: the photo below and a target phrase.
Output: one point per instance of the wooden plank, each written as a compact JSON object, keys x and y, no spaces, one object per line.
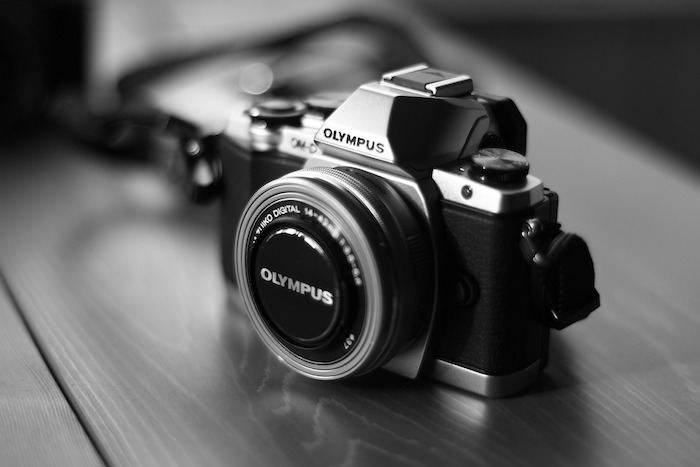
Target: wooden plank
{"x":37,"y":424}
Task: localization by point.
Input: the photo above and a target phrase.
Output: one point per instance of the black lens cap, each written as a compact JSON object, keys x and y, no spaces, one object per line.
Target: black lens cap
{"x":298,"y":285}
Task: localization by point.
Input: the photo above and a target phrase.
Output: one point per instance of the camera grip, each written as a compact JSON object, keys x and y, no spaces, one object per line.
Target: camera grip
{"x":497,"y":332}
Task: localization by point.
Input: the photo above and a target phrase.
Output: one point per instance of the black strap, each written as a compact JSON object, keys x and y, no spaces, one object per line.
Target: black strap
{"x":195,"y":166}
{"x":566,"y":271}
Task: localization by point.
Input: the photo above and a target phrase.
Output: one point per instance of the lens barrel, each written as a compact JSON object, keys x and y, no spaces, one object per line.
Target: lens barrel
{"x":335,"y":270}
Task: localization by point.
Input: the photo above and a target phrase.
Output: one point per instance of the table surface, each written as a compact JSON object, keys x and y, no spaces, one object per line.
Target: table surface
{"x":121,"y":345}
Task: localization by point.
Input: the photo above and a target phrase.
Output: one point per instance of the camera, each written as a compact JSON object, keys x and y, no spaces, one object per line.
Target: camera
{"x":398,"y":228}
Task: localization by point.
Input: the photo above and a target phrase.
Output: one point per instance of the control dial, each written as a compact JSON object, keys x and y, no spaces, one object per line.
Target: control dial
{"x":498,"y":165}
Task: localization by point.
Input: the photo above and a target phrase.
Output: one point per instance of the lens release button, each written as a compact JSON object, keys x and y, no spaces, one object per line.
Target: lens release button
{"x":297,"y":286}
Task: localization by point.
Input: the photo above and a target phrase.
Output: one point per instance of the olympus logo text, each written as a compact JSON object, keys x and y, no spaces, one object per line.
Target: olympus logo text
{"x":348,"y":139}
{"x":299,"y":287}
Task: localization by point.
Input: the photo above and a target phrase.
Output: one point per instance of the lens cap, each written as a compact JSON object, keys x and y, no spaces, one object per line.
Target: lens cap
{"x":297,"y":283}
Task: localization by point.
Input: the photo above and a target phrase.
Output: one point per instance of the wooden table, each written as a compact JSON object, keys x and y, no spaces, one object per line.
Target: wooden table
{"x":120,"y":344}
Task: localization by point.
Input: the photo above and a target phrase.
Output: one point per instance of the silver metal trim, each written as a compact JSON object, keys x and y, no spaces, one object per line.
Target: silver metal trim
{"x":449,"y":87}
{"x":298,"y":142}
{"x":456,"y":86}
{"x":404,"y":91}
{"x":402,"y":71}
{"x":402,"y":180}
{"x":292,"y":140}
{"x":263,"y":138}
{"x":455,"y":184}
{"x":351,"y":123}
{"x":481,"y":383}
{"x":238,"y":126}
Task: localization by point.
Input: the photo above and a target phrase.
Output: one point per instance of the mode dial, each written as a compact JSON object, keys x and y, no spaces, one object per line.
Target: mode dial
{"x":498,"y":165}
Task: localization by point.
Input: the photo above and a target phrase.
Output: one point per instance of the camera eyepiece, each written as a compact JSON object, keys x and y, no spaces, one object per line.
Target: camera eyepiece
{"x":335,"y":269}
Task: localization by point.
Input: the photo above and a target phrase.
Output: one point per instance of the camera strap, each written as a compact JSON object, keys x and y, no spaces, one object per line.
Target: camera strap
{"x":564,"y":267}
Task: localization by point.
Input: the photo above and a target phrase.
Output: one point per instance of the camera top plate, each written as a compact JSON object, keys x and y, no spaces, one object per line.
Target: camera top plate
{"x":417,"y":118}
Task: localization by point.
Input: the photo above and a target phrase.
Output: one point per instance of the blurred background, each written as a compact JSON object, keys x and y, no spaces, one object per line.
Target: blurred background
{"x":634,"y":60}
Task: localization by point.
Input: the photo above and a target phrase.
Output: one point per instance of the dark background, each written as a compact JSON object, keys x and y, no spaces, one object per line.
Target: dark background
{"x":636,"y":61}
{"x":645,"y":72}
{"x":42,"y":51}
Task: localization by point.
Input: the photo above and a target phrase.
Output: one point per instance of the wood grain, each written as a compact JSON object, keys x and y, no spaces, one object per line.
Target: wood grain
{"x":120,"y":281}
{"x":37,"y":425}
{"x":122,"y":284}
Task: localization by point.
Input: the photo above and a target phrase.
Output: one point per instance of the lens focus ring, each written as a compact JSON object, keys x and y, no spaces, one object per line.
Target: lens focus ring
{"x":351,"y":235}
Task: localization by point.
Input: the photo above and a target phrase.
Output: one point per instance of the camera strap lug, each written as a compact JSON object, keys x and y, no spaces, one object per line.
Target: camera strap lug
{"x":565,"y":269}
{"x":194,"y":166}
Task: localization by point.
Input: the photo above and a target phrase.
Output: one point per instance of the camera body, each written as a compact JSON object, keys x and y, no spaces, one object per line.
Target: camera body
{"x":384,"y":230}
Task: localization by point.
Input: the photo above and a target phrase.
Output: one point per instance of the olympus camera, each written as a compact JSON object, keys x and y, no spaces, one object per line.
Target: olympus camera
{"x":398,"y":228}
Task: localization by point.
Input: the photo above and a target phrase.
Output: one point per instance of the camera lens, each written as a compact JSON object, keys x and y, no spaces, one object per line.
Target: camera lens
{"x":335,"y":270}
